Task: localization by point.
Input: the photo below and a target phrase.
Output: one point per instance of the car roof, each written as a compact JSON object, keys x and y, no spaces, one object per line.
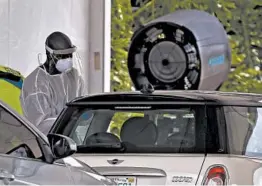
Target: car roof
{"x":215,"y":97}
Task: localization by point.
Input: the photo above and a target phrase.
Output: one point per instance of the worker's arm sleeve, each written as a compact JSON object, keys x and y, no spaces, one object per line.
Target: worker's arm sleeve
{"x":83,"y":88}
{"x":38,"y":110}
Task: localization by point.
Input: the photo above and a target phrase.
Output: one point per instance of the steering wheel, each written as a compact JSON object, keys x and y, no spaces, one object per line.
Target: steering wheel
{"x":178,"y":140}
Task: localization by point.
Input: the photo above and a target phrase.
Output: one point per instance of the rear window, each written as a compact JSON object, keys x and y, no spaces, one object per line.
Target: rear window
{"x":174,"y":130}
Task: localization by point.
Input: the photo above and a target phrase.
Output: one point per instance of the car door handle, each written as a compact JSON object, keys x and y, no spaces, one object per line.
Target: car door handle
{"x":5,"y":175}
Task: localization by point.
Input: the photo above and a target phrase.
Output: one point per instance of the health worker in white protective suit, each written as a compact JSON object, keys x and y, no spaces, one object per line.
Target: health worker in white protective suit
{"x":51,"y":85}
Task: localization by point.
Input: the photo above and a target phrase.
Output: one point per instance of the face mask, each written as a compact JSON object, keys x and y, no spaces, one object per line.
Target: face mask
{"x":64,"y":65}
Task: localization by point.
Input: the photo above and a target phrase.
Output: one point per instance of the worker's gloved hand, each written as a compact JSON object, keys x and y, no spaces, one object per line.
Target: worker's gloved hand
{"x":147,"y":88}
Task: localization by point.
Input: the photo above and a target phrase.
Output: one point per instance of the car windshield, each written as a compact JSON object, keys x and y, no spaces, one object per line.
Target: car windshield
{"x":138,"y":130}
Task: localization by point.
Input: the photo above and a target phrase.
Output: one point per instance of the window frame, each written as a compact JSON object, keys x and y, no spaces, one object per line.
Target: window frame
{"x":220,"y":127}
{"x":38,"y":139}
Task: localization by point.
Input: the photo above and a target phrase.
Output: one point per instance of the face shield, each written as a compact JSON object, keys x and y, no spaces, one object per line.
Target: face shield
{"x":66,"y":59}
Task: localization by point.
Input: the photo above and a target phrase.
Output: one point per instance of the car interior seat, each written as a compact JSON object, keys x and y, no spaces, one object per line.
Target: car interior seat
{"x":102,"y":142}
{"x":102,"y":137}
{"x":139,"y":131}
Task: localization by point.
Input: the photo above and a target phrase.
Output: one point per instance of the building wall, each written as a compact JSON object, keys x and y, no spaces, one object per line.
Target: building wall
{"x":25,"y":24}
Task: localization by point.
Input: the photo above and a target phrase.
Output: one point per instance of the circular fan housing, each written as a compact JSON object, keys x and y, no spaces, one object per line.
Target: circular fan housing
{"x":186,"y":49}
{"x":166,"y":54}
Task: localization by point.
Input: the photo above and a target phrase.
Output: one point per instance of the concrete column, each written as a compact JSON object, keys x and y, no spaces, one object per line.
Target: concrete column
{"x":99,"y":46}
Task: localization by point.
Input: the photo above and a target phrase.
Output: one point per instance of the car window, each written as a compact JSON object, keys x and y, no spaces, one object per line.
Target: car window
{"x":81,"y":125}
{"x":244,"y":126}
{"x":13,"y":134}
{"x":156,"y":130}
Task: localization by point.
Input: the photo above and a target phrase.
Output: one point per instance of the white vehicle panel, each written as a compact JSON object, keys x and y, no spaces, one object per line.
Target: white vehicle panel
{"x":164,"y":169}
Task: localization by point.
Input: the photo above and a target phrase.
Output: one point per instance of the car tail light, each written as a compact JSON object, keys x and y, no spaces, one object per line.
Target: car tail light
{"x":216,"y":175}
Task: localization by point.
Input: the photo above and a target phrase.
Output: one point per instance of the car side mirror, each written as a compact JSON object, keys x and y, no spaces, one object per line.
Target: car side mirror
{"x":61,"y":146}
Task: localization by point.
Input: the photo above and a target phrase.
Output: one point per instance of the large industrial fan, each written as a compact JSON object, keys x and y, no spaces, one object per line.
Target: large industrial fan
{"x":184,"y":50}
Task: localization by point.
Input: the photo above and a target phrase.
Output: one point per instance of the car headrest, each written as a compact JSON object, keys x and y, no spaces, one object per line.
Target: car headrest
{"x":139,"y":131}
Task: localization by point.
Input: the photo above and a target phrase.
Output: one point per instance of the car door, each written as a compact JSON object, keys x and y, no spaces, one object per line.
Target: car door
{"x":21,"y":158}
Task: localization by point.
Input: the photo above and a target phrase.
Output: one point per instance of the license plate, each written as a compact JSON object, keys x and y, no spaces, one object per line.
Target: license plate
{"x":124,"y":181}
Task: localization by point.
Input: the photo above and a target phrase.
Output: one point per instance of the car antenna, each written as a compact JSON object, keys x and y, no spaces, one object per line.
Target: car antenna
{"x":147,"y":89}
